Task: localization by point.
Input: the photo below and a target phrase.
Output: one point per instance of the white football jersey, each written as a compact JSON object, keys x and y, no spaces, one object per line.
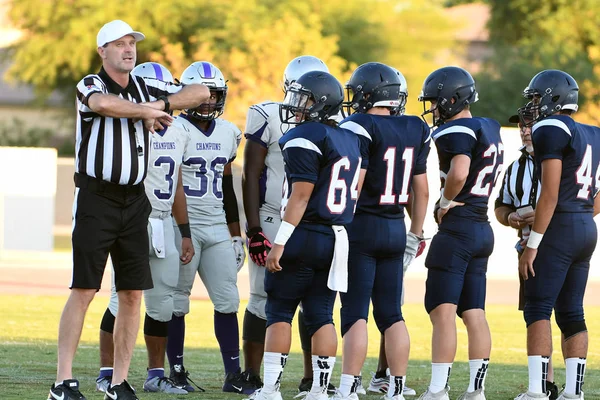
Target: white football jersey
{"x":166,"y":154}
{"x":264,"y":127}
{"x":204,"y":160}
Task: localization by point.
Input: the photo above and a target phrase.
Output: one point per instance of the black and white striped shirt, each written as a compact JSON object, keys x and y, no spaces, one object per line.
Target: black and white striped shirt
{"x":517,"y":188}
{"x":114,"y":149}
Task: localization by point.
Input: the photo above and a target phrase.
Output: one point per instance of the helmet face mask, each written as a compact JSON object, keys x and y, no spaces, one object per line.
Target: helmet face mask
{"x":203,"y":72}
{"x":296,"y":104}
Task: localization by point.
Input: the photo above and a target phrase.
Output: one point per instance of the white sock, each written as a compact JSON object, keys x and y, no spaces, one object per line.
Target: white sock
{"x":322,"y":369}
{"x":575,"y":372}
{"x":347,"y":384}
{"x":538,"y":373}
{"x":478,"y":372}
{"x":58,"y":383}
{"x":440,"y":373}
{"x":274,"y":363}
{"x":396,"y":385}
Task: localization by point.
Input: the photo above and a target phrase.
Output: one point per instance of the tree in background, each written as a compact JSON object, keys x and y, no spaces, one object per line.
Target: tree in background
{"x":532,"y":36}
{"x":251,"y":41}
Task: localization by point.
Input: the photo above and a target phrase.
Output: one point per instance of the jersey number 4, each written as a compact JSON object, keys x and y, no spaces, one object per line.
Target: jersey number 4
{"x":584,"y":175}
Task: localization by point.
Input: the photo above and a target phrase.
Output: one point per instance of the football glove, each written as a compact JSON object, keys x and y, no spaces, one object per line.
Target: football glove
{"x":238,"y":247}
{"x":258,"y":246}
{"x":413,"y":243}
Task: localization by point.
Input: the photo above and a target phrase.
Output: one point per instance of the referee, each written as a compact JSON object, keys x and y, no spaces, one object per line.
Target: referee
{"x":116,"y":113}
{"x":520,"y":191}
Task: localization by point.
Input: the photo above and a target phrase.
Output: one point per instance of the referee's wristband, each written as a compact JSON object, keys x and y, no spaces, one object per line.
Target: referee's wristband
{"x":444,"y":202}
{"x":185,"y":231}
{"x":166,"y":101}
{"x":283,"y":234}
{"x":534,"y":239}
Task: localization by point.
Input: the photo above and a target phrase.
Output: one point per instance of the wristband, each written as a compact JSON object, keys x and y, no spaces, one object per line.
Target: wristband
{"x":166,"y":101}
{"x":444,"y":202}
{"x":185,"y":231}
{"x":283,"y":234}
{"x":534,"y":239}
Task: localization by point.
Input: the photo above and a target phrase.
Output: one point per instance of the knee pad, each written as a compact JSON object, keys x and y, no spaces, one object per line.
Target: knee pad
{"x":313,"y":323}
{"x":571,"y":328}
{"x":254,"y":328}
{"x":159,"y":307}
{"x":383,"y":323}
{"x":156,"y":328}
{"x":534,"y":312}
{"x":108,"y":322}
{"x":305,"y":337}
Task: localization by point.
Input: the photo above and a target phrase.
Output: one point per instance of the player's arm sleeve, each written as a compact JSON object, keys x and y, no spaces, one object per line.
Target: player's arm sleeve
{"x":456,"y":143}
{"x":505,"y":197}
{"x":551,"y":137}
{"x":85,"y":88}
{"x":257,"y":122}
{"x":302,"y":160}
{"x":365,"y":139}
{"x":421,"y":162}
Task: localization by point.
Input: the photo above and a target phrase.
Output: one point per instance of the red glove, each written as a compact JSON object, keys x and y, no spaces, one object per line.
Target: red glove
{"x":421,"y":248}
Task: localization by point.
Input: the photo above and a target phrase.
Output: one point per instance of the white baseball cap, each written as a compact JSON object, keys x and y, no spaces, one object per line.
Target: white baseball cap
{"x":116,"y":30}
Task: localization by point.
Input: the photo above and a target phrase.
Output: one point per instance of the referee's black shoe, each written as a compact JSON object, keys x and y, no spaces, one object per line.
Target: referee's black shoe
{"x":122,"y":391}
{"x":68,"y":390}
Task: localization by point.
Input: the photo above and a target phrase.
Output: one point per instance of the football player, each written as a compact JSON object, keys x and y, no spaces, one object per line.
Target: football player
{"x":556,"y":260}
{"x":470,"y":155}
{"x":394,"y":153}
{"x":322,"y":166}
{"x":214,"y":222}
{"x":165,"y":192}
{"x":262,"y":182}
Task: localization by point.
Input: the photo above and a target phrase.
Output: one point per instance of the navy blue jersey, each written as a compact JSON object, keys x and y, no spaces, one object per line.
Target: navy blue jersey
{"x":578,"y":146}
{"x":393,"y":149}
{"x":479,"y":139}
{"x":330,"y":158}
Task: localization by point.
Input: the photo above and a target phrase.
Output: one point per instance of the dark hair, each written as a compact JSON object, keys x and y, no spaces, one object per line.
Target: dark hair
{"x":331,"y":122}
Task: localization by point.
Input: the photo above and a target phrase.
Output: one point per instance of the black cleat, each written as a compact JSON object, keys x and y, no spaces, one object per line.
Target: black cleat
{"x":237,"y":383}
{"x":68,"y":390}
{"x":122,"y":391}
{"x":306,"y":385}
{"x":181,"y":378}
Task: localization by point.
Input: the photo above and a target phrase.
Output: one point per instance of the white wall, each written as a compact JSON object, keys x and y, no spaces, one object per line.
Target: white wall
{"x":27,"y":191}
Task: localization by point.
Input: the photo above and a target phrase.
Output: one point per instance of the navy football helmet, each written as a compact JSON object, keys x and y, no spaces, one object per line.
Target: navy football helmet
{"x":549,"y":92}
{"x":374,"y":85}
{"x":452,"y":88}
{"x":315,"y":96}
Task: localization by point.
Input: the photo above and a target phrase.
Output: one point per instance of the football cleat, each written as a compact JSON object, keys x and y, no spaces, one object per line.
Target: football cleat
{"x":474,"y":395}
{"x":531,"y":396}
{"x":237,"y":383}
{"x":338,"y":396}
{"x":181,"y":378}
{"x":103,"y":383}
{"x":381,"y":385}
{"x":441,"y":395}
{"x":260,"y":395}
{"x":565,"y":396}
{"x":162,"y":384}
{"x":122,"y":391}
{"x":306,"y":385}
{"x":68,"y":390}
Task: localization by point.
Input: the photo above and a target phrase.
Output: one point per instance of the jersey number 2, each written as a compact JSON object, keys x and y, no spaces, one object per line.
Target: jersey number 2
{"x":479,"y":188}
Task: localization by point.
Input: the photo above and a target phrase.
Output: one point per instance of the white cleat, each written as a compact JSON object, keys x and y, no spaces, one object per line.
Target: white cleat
{"x":260,"y":395}
{"x":360,"y":389}
{"x":531,"y":396}
{"x":441,"y":395}
{"x":338,"y":396}
{"x":474,"y":395}
{"x":396,"y":397}
{"x":102,"y":384}
{"x":565,"y":396}
{"x":381,"y":385}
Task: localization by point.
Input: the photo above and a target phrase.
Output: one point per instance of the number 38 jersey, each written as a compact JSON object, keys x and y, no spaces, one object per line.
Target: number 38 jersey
{"x":204,"y":160}
{"x":479,"y":139}
{"x":329,"y":158}
{"x":578,"y":146}
{"x":166,"y":154}
{"x":393,"y":149}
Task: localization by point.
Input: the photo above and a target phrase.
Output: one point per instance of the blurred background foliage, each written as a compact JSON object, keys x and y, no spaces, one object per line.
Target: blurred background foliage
{"x":252,"y":41}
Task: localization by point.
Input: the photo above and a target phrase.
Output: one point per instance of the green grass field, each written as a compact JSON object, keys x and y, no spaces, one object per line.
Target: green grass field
{"x":28,"y":352}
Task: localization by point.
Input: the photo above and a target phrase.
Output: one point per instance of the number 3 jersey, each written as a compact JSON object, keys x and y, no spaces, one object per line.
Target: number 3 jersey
{"x":329,"y":158}
{"x":393,"y":149}
{"x":166,"y":154}
{"x":479,"y":139}
{"x":204,"y":160}
{"x":578,"y":146}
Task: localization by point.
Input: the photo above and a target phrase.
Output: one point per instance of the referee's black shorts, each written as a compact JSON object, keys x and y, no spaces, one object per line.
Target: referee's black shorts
{"x":110,"y":219}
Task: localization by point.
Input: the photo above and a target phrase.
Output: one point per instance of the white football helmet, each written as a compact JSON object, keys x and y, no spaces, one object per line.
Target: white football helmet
{"x":403,"y":90}
{"x":299,"y":66}
{"x":153,"y":70}
{"x":203,"y":72}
